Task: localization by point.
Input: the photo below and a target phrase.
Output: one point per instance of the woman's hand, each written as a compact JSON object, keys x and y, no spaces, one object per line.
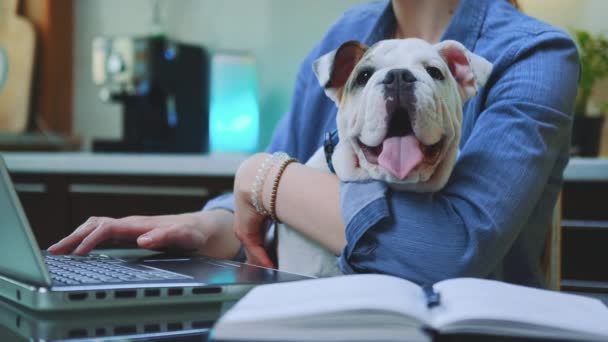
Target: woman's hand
{"x":206,"y":232}
{"x":248,"y":223}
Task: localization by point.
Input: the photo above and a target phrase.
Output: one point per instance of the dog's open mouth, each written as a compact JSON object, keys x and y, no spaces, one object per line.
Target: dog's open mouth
{"x":400,"y":151}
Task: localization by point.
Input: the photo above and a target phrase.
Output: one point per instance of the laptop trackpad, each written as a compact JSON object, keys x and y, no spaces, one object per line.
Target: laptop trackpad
{"x":213,"y":271}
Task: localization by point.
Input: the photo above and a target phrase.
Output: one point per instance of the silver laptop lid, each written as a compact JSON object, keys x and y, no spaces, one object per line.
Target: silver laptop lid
{"x":20,"y":256}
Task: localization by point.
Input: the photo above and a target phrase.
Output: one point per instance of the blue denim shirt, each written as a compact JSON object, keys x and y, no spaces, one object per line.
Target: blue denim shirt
{"x":492,"y":217}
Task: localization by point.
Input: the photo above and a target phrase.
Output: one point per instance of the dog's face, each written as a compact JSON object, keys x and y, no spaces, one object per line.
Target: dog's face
{"x":400,"y":108}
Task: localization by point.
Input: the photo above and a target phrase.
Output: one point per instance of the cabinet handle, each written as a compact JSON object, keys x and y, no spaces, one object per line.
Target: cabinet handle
{"x":149,"y":190}
{"x":32,"y":188}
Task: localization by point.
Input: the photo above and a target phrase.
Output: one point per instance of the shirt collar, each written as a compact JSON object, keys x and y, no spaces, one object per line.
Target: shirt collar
{"x":465,"y":26}
{"x":467,"y":22}
{"x":384,"y":25}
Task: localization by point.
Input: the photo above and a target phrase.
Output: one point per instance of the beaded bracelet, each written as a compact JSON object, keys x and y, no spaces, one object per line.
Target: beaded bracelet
{"x":275,"y":187}
{"x":256,"y":187}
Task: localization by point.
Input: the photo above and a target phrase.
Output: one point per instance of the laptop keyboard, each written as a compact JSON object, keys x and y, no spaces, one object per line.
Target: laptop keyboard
{"x":95,"y":269}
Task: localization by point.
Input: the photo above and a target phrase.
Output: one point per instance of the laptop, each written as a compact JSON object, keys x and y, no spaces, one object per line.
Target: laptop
{"x":41,"y":281}
{"x":163,"y":323}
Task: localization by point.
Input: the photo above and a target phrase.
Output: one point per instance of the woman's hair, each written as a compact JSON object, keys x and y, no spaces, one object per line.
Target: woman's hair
{"x":515,"y":4}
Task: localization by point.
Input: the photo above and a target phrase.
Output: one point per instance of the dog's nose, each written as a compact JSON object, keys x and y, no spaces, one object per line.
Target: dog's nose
{"x":396,"y":76}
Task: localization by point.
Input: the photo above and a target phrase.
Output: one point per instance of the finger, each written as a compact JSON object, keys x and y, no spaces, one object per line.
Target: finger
{"x":122,"y":229}
{"x":248,"y":225}
{"x":257,"y":255}
{"x":179,"y":236}
{"x":67,"y":244}
{"x":253,"y":242}
{"x":248,"y":229}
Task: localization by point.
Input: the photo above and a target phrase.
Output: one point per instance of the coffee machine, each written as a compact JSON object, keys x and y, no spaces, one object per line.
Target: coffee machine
{"x":163,"y":87}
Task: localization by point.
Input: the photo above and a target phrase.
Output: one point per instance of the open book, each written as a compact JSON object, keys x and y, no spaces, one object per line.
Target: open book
{"x":370,"y":307}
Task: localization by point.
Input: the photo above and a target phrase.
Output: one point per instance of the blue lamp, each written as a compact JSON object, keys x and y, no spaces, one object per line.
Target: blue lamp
{"x":234,"y":117}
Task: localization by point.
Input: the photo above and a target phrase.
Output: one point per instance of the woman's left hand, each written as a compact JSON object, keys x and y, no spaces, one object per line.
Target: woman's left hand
{"x":248,"y":223}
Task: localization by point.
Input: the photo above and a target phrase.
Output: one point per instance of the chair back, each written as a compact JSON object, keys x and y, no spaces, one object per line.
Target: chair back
{"x":552,"y":256}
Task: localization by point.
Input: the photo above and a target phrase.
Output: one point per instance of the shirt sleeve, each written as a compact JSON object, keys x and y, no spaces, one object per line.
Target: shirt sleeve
{"x":503,"y":167}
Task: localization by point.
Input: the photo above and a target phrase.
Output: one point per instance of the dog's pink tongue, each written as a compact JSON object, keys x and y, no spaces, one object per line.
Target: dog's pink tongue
{"x":400,"y":155}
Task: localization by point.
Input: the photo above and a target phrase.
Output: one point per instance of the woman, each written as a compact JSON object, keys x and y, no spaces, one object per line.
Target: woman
{"x":491,"y":218}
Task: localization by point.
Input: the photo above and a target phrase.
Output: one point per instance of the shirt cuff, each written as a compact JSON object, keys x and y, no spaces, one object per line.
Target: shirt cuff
{"x":225,"y":201}
{"x":363,"y":205}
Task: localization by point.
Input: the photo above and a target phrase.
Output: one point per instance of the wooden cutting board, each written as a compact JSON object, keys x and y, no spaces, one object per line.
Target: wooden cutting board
{"x":17,"y":48}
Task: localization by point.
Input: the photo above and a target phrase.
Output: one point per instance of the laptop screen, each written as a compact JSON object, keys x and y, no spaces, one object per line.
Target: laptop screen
{"x":20,"y":257}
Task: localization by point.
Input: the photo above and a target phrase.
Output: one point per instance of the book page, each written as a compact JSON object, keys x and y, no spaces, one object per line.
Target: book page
{"x":363,"y":293}
{"x":476,"y":305}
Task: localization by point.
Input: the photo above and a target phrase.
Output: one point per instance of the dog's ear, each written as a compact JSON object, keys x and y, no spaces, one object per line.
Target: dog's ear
{"x":334,"y":68}
{"x":469,"y":70}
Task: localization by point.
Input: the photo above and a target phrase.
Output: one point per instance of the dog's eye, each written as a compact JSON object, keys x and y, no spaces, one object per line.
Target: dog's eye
{"x":364,"y":76}
{"x":435,"y":73}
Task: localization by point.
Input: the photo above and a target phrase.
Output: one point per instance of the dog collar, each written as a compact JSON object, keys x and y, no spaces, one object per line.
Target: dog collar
{"x":331,"y":140}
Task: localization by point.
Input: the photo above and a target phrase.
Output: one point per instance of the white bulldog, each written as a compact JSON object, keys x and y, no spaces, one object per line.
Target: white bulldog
{"x":399,"y":119}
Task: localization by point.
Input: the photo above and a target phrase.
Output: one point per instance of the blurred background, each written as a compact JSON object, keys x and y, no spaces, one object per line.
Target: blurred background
{"x":270,"y":37}
{"x":278,"y":33}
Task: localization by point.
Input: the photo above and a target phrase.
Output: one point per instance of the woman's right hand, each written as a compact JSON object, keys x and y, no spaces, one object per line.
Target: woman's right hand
{"x":206,"y":232}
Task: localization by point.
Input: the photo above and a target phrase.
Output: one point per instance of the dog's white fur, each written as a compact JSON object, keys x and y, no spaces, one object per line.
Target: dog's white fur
{"x":435,"y":116}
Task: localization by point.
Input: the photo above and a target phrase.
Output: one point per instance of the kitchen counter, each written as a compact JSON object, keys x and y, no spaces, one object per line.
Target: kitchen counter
{"x":221,"y":164}
{"x":225,"y":164}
